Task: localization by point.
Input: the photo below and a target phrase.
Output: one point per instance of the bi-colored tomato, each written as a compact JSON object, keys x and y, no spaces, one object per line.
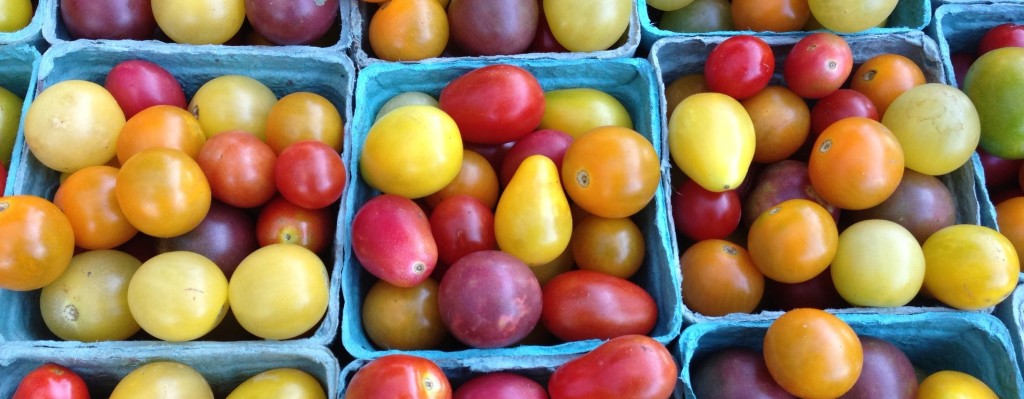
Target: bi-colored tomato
{"x":494,"y":104}
{"x":399,"y":376}
{"x":992,"y":82}
{"x":740,"y":66}
{"x":38,"y":244}
{"x":793,"y":241}
{"x":818,"y":65}
{"x":140,"y":84}
{"x":51,"y":381}
{"x":631,"y":366}
{"x":611,"y":171}
{"x":391,"y":238}
{"x":720,"y":278}
{"x":813,"y":354}
{"x":856,"y":163}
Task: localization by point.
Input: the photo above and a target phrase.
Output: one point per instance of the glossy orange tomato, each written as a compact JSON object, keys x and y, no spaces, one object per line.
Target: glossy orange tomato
{"x":88,"y":199}
{"x":37,"y":242}
{"x":720,"y":278}
{"x":163,"y":192}
{"x":611,"y":171}
{"x":813,"y":354}
{"x":1010,"y":216}
{"x":770,"y":15}
{"x":885,"y":77}
{"x":303,"y":116}
{"x":160,"y":126}
{"x":408,"y":30}
{"x":476,"y":178}
{"x":856,"y":163}
{"x":612,"y":246}
{"x":793,"y":241}
{"x":782,"y":122}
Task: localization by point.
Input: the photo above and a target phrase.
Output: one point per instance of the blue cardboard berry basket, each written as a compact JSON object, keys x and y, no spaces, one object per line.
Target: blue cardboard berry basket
{"x":330,"y":74}
{"x":31,"y":34}
{"x":908,"y":15}
{"x":224,"y":366}
{"x":959,"y":26}
{"x":363,"y":53}
{"x":629,"y":80}
{"x":19,"y":67}
{"x":974,"y":343}
{"x":53,"y":30}
{"x":1011,"y":312}
{"x":678,"y":56}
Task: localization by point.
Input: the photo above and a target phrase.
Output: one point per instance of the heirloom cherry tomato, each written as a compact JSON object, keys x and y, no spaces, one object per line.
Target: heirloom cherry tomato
{"x":310,"y":174}
{"x":740,"y":66}
{"x":399,"y":376}
{"x":818,"y":65}
{"x":937,"y":127}
{"x":851,"y":16}
{"x":700,"y":214}
{"x":546,"y":142}
{"x":291,"y":22}
{"x":782,"y":122}
{"x":611,"y":171}
{"x":178,"y":296}
{"x":615,"y":306}
{"x":38,"y":242}
{"x":699,"y":16}
{"x":683,"y":87}
{"x":669,"y":5}
{"x":886,"y":76}
{"x":140,"y":84}
{"x":279,"y":383}
{"x":993,"y":82}
{"x":233,"y":102}
{"x":403,"y":318}
{"x":165,"y":379}
{"x":406,"y":98}
{"x":1010,"y":217}
{"x":461,"y":225}
{"x":303,"y":116}
{"x":281,"y":221}
{"x":239,"y":167}
{"x":720,"y":278}
{"x":793,"y":241}
{"x":51,"y":381}
{"x":73,"y":124}
{"x":969,"y":267}
{"x":1002,"y":35}
{"x":199,"y":21}
{"x":408,"y":30}
{"x":494,"y":104}
{"x":632,"y":366}
{"x":89,"y":302}
{"x":878,"y":263}
{"x":575,"y":111}
{"x":160,"y":126}
{"x":720,"y":161}
{"x":108,"y":19}
{"x":856,"y":163}
{"x":476,"y":178}
{"x":89,"y":201}
{"x":16,"y":16}
{"x":532,"y":220}
{"x":612,"y":246}
{"x":10,"y":116}
{"x":163,"y":192}
{"x":587,"y":25}
{"x":842,"y":103}
{"x":953,"y":384}
{"x":770,"y":15}
{"x":813,"y":354}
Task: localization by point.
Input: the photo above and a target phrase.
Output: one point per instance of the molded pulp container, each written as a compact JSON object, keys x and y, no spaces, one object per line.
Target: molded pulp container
{"x":54,"y":31}
{"x":19,"y":67}
{"x":629,"y":80}
{"x":1011,"y":312}
{"x":327,"y":73}
{"x":223,"y":366}
{"x":908,"y":15}
{"x":973,"y":343}
{"x":677,"y":56}
{"x":362,"y":53}
{"x":959,"y":27}
{"x":30,"y":34}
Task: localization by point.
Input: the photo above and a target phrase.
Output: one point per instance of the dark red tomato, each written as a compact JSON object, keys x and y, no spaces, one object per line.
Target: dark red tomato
{"x":740,"y":66}
{"x":461,"y":225}
{"x":584,"y":304}
{"x":291,"y":22}
{"x":494,"y":153}
{"x":544,"y":41}
{"x":399,"y":376}
{"x":52,"y":381}
{"x":494,"y":104}
{"x":310,"y":174}
{"x":3,"y":177}
{"x":631,"y":366}
{"x":842,"y":103}
{"x":701,"y":214}
{"x":961,"y":63}
{"x":998,"y":171}
{"x":1003,"y":35}
{"x":140,"y":84}
{"x":281,"y":221}
{"x":818,"y":65}
{"x":547,"y":142}
{"x":240,"y":168}
{"x":108,"y":19}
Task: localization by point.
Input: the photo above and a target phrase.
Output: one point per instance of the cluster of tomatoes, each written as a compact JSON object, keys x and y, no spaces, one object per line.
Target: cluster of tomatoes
{"x":246,"y":191}
{"x":474,"y":252}
{"x":202,"y":21}
{"x":848,"y":161}
{"x":629,"y":366}
{"x":771,"y":15}
{"x":166,"y":379}
{"x":412,"y":30}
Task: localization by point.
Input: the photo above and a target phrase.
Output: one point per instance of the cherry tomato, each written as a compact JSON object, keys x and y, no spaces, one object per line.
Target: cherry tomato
{"x":533,"y":220}
{"x":856,"y":163}
{"x":683,"y":87}
{"x":160,"y":126}
{"x":239,"y":167}
{"x":233,"y":102}
{"x":818,"y":65}
{"x":720,"y":278}
{"x":770,"y":15}
{"x":10,"y":116}
{"x":281,"y":221}
{"x":781,"y":123}
{"x":140,"y":84}
{"x":1010,"y":217}
{"x":813,"y":354}
{"x":999,"y":171}
{"x":399,"y":376}
{"x":276,"y":21}
{"x":303,"y":116}
{"x":611,"y":171}
{"x":969,"y":267}
{"x":89,"y":302}
{"x":461,"y":225}
{"x":546,"y":142}
{"x":73,"y":124}
{"x":616,"y":306}
{"x":403,"y":318}
{"x":851,"y":16}
{"x":632,"y":366}
{"x":89,"y":201}
{"x":1002,"y":35}
{"x":494,"y":104}
{"x":408,"y":30}
{"x":793,"y":241}
{"x":310,"y":174}
{"x":612,"y":246}
{"x":109,"y":19}
{"x":38,"y":245}
{"x":842,"y":103}
{"x":953,"y":384}
{"x":587,"y":25}
{"x":163,"y":379}
{"x":178,"y":296}
{"x":163,"y":192}
{"x":701,"y":214}
{"x":3,"y":175}
{"x":699,"y":16}
{"x":199,"y":21}
{"x":577,"y":110}
{"x":279,"y":382}
{"x":886,"y":76}
{"x":937,"y":127}
{"x":16,"y":16}
{"x":878,"y":263}
{"x":476,"y":178}
{"x":740,"y":66}
{"x":51,"y":381}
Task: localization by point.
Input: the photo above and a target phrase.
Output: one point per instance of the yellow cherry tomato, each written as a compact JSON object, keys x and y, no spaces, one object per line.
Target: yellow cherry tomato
{"x":163,"y":380}
{"x":199,"y":21}
{"x":588,"y":25}
{"x":163,"y":192}
{"x":711,"y":138}
{"x":178,"y":296}
{"x":233,"y":102}
{"x":279,"y":291}
{"x":952,"y":384}
{"x":575,"y":111}
{"x":532,"y":220}
{"x":969,"y":267}
{"x":279,"y":383}
{"x":89,"y":302}
{"x":73,"y":124}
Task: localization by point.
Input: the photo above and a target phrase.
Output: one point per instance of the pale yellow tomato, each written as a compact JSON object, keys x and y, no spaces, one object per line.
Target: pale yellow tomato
{"x":588,"y":25}
{"x":937,"y":126}
{"x":279,"y":383}
{"x":575,"y":111}
{"x":163,"y":380}
{"x":233,"y":102}
{"x":178,"y":296}
{"x":199,"y":21}
{"x":878,"y":263}
{"x":73,"y":124}
{"x":711,"y":138}
{"x":847,"y":16}
{"x":89,"y":302}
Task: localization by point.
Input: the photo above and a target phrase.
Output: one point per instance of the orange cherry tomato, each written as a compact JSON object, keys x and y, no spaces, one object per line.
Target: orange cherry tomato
{"x":612,"y":246}
{"x":813,"y":354}
{"x":303,"y":116}
{"x":163,"y":192}
{"x":160,"y":126}
{"x":611,"y":171}
{"x":408,"y":30}
{"x":476,"y":178}
{"x":1010,"y":217}
{"x":793,"y":241}
{"x":856,"y":163}
{"x":885,"y":77}
{"x":782,"y":122}
{"x":37,"y":243}
{"x":88,"y":199}
{"x":770,"y":15}
{"x":720,"y":278}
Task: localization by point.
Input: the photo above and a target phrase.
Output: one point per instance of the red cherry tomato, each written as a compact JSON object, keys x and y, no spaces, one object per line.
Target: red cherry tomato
{"x":740,"y":66}
{"x":614,"y":306}
{"x":399,"y":376}
{"x":310,"y":174}
{"x":51,"y":381}
{"x":842,"y":103}
{"x":281,"y":221}
{"x":494,"y":104}
{"x":461,"y":225}
{"x":240,"y":168}
{"x":1003,"y":35}
{"x":818,"y":65}
{"x":701,"y":214}
{"x":631,"y":366}
{"x":998,"y":171}
{"x":139,"y":84}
